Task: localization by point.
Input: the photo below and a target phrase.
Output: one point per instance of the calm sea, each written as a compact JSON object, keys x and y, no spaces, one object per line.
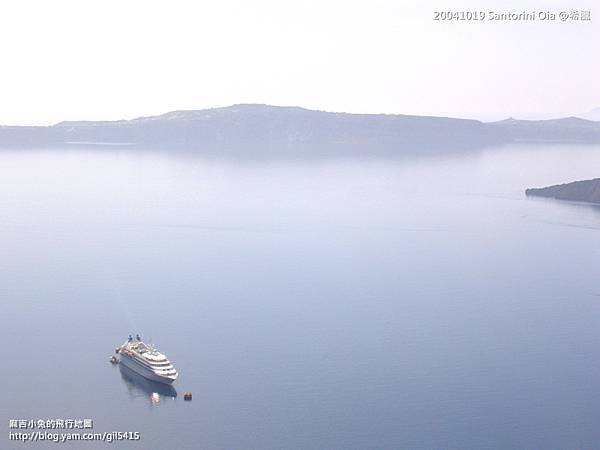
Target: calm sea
{"x":416,"y":303}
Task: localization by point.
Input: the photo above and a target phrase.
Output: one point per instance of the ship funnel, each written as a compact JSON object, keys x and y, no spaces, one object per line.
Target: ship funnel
{"x":138,"y":337}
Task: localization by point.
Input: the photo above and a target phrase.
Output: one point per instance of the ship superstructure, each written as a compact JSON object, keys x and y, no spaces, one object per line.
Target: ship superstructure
{"x":146,"y":360}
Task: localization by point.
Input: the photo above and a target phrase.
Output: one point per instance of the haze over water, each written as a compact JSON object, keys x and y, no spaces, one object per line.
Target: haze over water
{"x":342,"y":304}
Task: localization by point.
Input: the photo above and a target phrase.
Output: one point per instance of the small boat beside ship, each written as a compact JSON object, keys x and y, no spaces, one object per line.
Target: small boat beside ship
{"x":146,"y":360}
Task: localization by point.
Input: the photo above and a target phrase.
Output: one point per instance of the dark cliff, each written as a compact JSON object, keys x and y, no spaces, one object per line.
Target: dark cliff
{"x":580,"y":191}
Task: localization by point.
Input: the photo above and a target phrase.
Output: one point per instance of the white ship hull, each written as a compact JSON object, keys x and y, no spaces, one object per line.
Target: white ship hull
{"x":138,"y":368}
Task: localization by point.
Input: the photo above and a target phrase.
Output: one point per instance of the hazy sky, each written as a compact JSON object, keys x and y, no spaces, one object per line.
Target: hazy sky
{"x":109,"y":59}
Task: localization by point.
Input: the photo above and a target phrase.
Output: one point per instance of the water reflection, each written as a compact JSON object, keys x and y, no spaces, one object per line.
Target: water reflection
{"x":138,"y":385}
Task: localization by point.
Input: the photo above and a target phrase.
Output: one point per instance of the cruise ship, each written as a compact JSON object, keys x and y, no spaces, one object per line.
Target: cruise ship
{"x":145,"y":360}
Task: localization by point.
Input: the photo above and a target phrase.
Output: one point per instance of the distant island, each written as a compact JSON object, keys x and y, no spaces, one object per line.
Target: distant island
{"x":256,"y":128}
{"x":580,"y":191}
